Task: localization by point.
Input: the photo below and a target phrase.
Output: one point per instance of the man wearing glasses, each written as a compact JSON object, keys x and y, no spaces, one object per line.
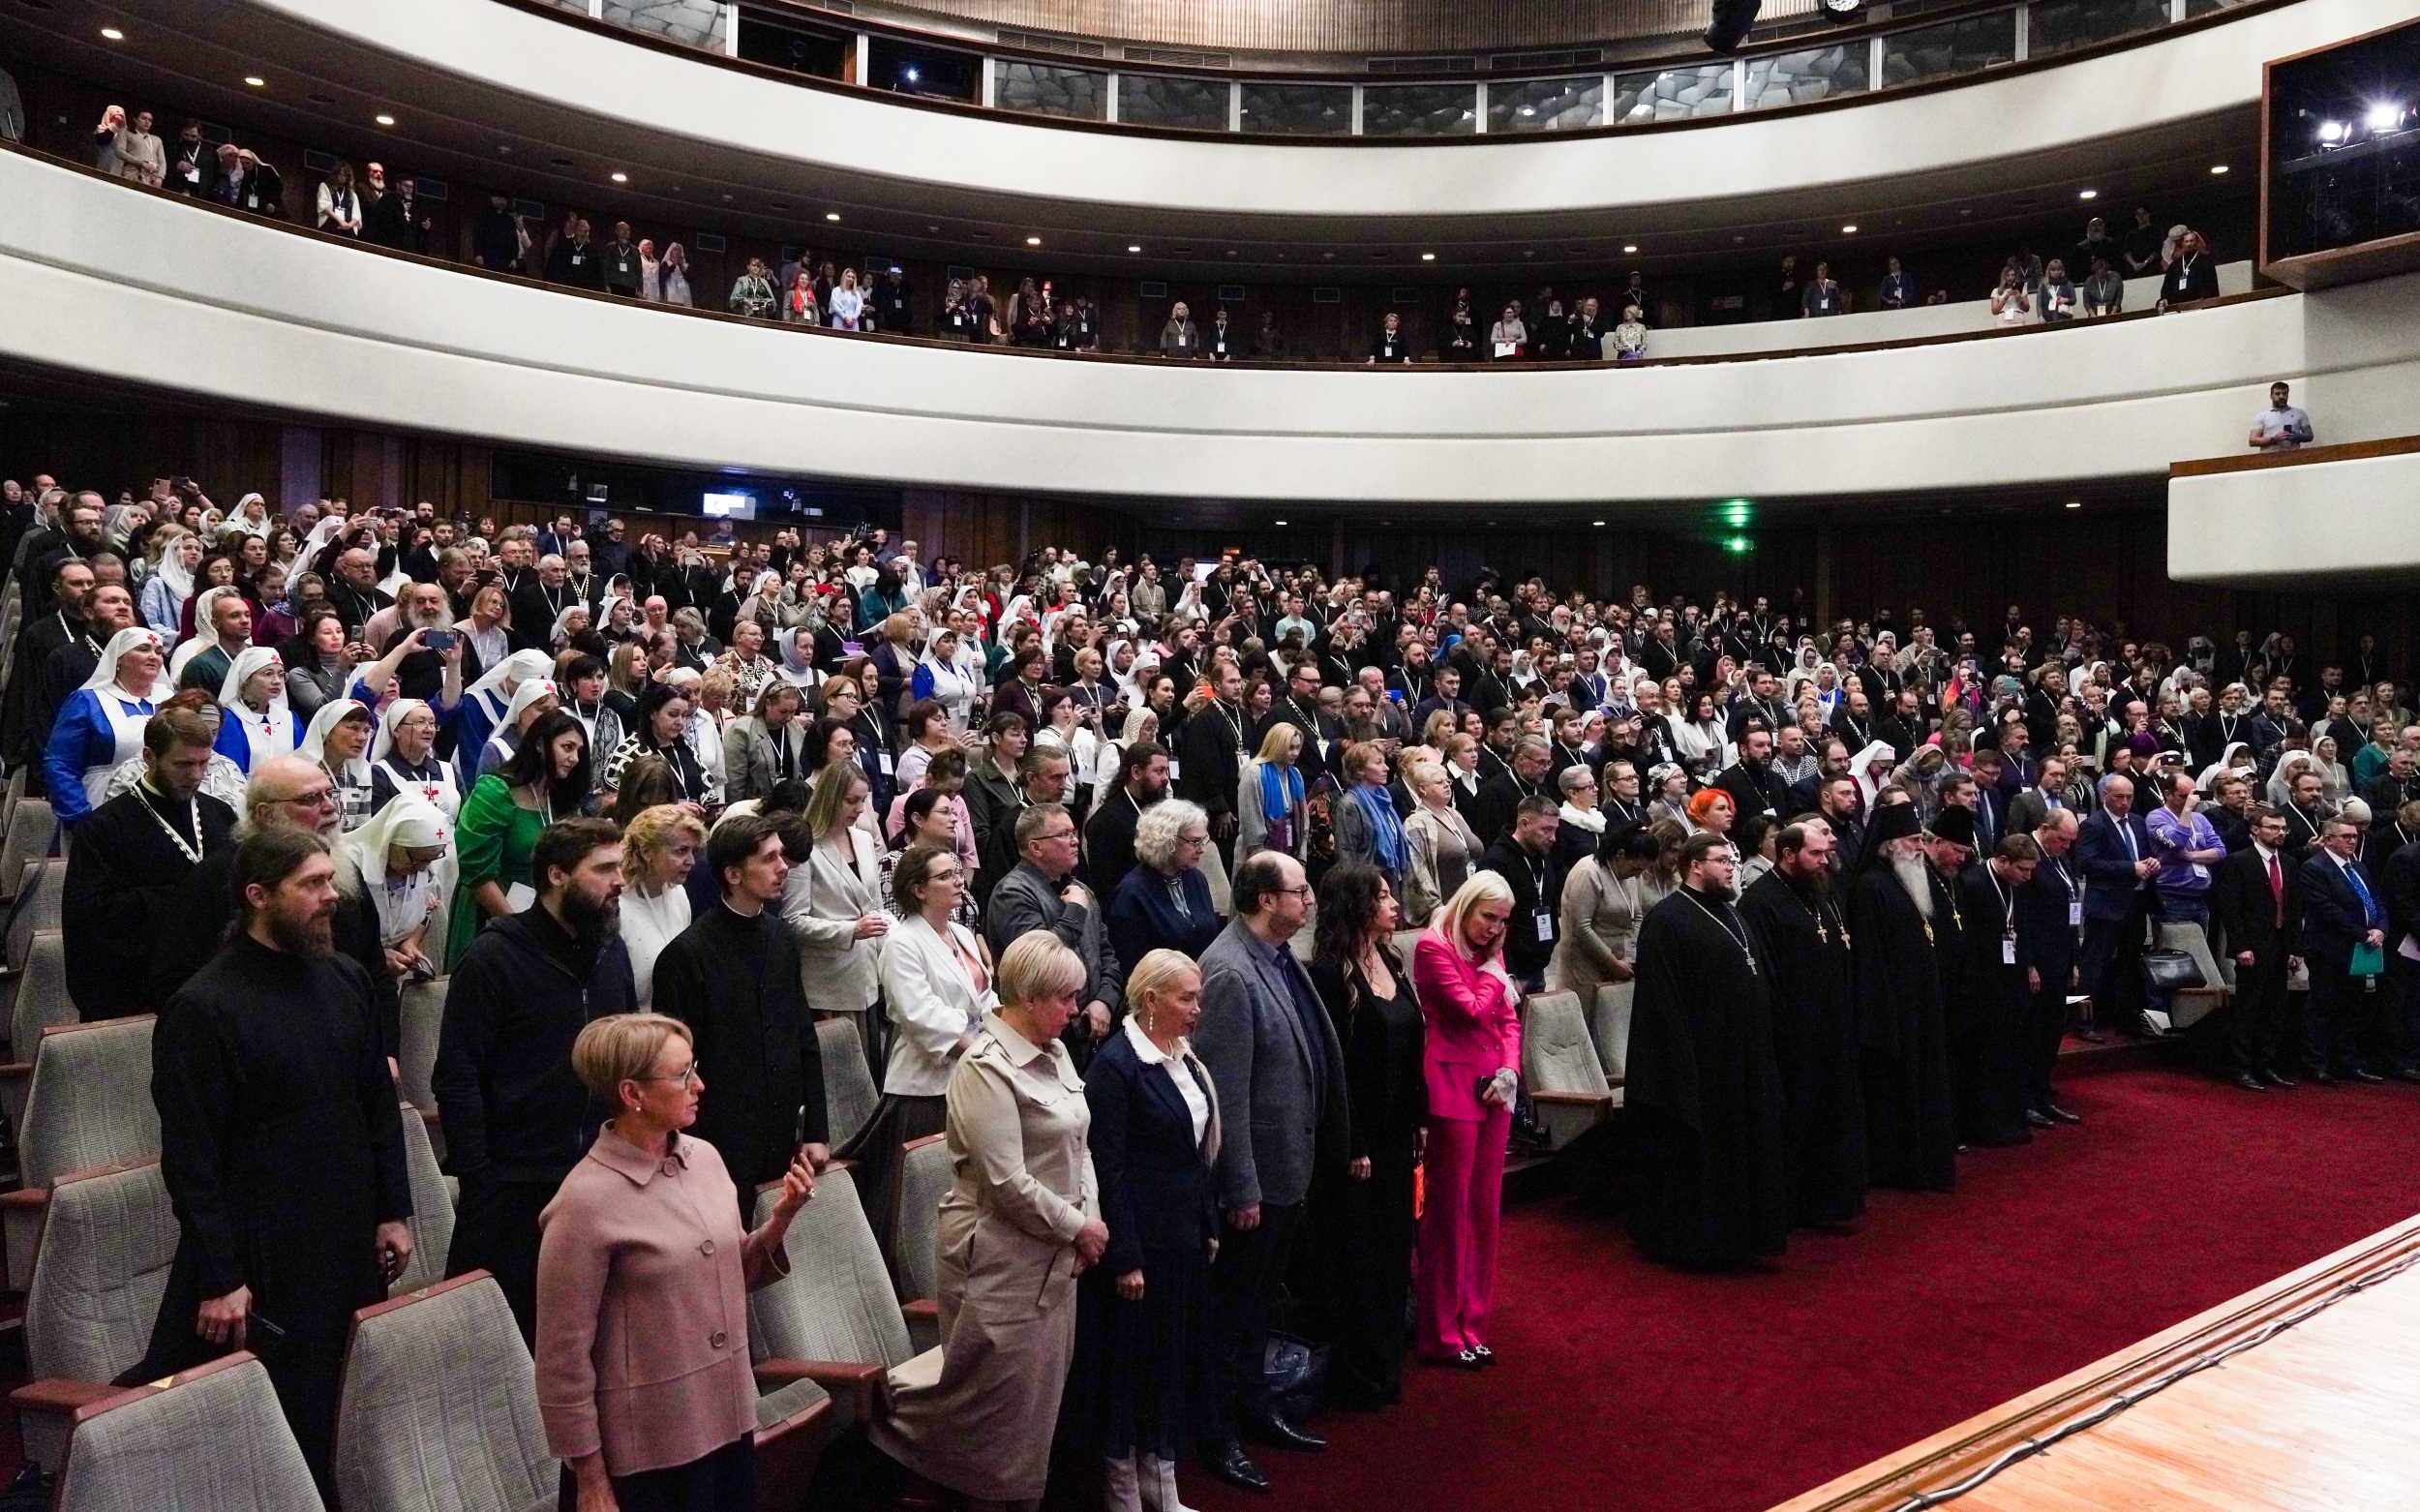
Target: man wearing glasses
{"x":1043,"y":892}
{"x":283,"y":793}
{"x":1279,"y":1071}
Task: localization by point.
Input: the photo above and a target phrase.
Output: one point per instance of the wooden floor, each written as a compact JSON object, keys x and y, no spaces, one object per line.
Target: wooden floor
{"x":2320,"y":1417}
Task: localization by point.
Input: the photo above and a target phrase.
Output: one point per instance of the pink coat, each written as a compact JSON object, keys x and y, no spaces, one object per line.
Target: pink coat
{"x":1473,"y":1017}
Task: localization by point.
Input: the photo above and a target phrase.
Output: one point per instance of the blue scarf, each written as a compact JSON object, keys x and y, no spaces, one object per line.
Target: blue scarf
{"x":1385,"y":826}
{"x":1280,"y":789}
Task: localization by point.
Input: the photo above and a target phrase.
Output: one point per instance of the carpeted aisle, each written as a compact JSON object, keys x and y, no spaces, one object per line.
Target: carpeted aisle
{"x":1628,"y":1386}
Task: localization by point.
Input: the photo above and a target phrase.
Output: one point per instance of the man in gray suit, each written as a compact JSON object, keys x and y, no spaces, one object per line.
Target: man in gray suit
{"x":1279,"y":1071}
{"x":1041,"y":893}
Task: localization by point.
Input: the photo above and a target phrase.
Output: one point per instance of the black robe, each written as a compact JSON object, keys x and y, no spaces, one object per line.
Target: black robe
{"x":283,"y":1152}
{"x":194,"y":924}
{"x":121,"y":879}
{"x":1807,"y":946}
{"x":734,"y":982}
{"x":1990,"y":1062}
{"x":1703,"y":1092}
{"x":1911,"y":1131}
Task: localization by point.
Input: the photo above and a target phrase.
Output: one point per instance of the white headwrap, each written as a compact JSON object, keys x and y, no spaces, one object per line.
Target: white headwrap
{"x":2225,"y":764}
{"x":531,"y":689}
{"x":314,"y":748}
{"x":105,"y":675}
{"x":2282,"y":780}
{"x":383,"y":743}
{"x":513,"y":670}
{"x":203,"y":636}
{"x":1862,"y":767}
{"x":409,"y":821}
{"x":251,"y":660}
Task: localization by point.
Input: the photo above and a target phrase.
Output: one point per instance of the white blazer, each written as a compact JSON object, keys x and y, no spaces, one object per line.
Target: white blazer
{"x":935,"y":1006}
{"x":822,"y":902}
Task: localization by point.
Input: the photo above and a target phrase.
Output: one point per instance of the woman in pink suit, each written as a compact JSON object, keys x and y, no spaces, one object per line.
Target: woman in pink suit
{"x":1472,"y":1060}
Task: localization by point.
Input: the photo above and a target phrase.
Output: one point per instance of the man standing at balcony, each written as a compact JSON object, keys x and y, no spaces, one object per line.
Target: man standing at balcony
{"x":621,"y":263}
{"x":2192,"y":276}
{"x":396,"y":221}
{"x":1822,"y":295}
{"x":2281,"y":427}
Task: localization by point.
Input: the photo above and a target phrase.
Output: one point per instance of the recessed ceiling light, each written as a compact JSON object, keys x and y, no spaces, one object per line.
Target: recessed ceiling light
{"x":1596,"y":522}
{"x":726,"y":199}
{"x":1848,"y":230}
{"x":2088,"y":194}
{"x":1428,"y":257}
{"x":1230,"y":251}
{"x":255,"y":81}
{"x":621,"y":178}
{"x":1277,"y":522}
{"x":2218,"y":167}
{"x":388,"y":120}
{"x":2076,"y":503}
{"x":1968,"y":210}
{"x":112,"y":34}
{"x":1136,"y":247}
{"x":1033,"y":241}
{"x":1630,"y":246}
{"x":831,"y":215}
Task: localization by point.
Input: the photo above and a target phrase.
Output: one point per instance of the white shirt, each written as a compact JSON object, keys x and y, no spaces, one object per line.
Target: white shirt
{"x":647,"y":926}
{"x":1187,"y":1088}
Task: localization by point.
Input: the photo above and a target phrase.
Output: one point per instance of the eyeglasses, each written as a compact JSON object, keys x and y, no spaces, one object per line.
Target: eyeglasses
{"x":1303,"y":892}
{"x":316,"y":798}
{"x":1203,"y":839}
{"x":688,"y":1077}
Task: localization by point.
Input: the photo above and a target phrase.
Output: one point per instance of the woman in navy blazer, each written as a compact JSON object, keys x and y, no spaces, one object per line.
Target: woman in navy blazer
{"x":1141,"y":1338}
{"x":1145,"y":915}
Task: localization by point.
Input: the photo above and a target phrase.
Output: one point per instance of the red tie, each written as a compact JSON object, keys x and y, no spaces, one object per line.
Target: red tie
{"x":2277,"y":890}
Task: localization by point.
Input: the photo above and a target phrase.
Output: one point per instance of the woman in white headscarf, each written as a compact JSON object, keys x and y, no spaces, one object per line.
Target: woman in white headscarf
{"x":100,"y":725}
{"x":197,"y":612}
{"x":796,"y":663}
{"x":403,"y":761}
{"x":2237,"y":757}
{"x":2281,"y":788}
{"x":338,"y":742}
{"x":534,"y":698}
{"x":940,"y":676}
{"x":254,"y":720}
{"x":484,"y":704}
{"x":171,"y":579}
{"x":399,"y":853}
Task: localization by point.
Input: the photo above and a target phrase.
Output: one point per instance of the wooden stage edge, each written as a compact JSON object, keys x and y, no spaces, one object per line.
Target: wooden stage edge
{"x":1951,"y":1455}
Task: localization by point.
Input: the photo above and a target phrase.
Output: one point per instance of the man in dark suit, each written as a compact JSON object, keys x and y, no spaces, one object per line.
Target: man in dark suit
{"x":2114,"y":852}
{"x":2255,"y":900}
{"x":1109,"y":833}
{"x":2050,"y":908}
{"x":2344,"y":919}
{"x":1212,"y":758}
{"x":1522,"y":779}
{"x":1322,"y":734}
{"x":1526,"y":858}
{"x":1755,"y":788}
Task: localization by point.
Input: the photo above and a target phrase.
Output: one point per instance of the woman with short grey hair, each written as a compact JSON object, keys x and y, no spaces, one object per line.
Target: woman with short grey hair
{"x":1163,"y":902}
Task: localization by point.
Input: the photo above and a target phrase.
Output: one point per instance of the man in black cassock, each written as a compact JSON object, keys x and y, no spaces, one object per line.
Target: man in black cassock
{"x":130,"y":854}
{"x":1703,"y":1092}
{"x":733,"y":978}
{"x":280,"y":1144}
{"x":1897,"y":908}
{"x":1794,"y":910}
{"x":1992,"y":1067}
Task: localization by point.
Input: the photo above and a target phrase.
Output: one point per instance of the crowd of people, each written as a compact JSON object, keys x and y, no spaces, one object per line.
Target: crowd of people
{"x":1110,"y":866}
{"x":803,"y":289}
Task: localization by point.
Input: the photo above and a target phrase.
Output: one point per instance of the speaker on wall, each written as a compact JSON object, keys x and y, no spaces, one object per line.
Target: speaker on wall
{"x":1730,"y":22}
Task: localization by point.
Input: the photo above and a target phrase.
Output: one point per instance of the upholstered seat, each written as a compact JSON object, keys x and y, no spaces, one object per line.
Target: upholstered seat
{"x":2193,"y":1003}
{"x":439,"y":1409}
{"x":37,"y":906}
{"x":849,"y":1093}
{"x":1609,"y":1026}
{"x":836,"y":1304}
{"x":37,"y":1000}
{"x":432,"y":1210}
{"x":98,"y":1275}
{"x":89,"y":1106}
{"x":1558,"y":1064}
{"x":214,"y":1439}
{"x":30,"y":827}
{"x":416,"y":1058}
{"x":924,"y":1177}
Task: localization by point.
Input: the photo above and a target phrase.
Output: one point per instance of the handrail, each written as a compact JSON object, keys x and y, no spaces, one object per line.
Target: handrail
{"x":984,"y":54}
{"x":1031,"y":353}
{"x":2300,"y":457}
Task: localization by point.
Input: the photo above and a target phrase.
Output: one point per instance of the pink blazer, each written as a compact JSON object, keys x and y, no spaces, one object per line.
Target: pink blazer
{"x":1473,"y":1017}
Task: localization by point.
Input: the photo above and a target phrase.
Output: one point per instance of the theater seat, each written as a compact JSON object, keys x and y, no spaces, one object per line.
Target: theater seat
{"x":37,"y":905}
{"x":1609,"y":1026}
{"x":89,"y":1106}
{"x":835,"y":1318}
{"x":2192,"y":1004}
{"x":1405,"y":942}
{"x":849,"y":1093}
{"x":98,"y":1275}
{"x":432,"y":1210}
{"x":1559,"y":1067}
{"x":206,"y":1440}
{"x":416,"y":1058}
{"x":926,"y":1176}
{"x":31,"y":829}
{"x":439,"y":1409}
{"x":40,"y":1002}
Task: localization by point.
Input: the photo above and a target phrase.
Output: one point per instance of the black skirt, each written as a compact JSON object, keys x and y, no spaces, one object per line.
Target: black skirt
{"x":1139,"y":1366}
{"x":724,"y":1481}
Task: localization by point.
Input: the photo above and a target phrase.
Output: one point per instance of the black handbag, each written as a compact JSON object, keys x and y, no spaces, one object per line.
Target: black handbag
{"x":2170,"y":970}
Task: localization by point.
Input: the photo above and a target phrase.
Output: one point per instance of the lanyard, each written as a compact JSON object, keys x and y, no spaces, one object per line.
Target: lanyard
{"x":1737,"y":933}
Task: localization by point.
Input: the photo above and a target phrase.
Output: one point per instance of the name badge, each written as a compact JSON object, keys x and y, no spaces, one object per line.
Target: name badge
{"x":1546,"y":927}
{"x":1173,"y":764}
{"x":578,"y":259}
{"x":1506,"y":348}
{"x":2076,"y":912}
{"x":2007,"y":949}
{"x":881,"y":762}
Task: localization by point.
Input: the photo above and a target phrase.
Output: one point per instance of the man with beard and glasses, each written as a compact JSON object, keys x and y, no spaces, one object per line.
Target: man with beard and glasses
{"x":1702,"y":1091}
{"x":733,"y":978}
{"x":516,"y":1118}
{"x":130,"y":854}
{"x":1807,"y":944}
{"x":281,"y":1143}
{"x":1899,"y":911}
{"x":283,"y":792}
{"x":430,"y":675}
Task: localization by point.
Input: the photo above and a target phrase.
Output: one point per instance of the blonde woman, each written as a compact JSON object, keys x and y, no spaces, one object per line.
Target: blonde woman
{"x":1442,"y":843}
{"x":659,"y":848}
{"x":1269,"y":797}
{"x":1021,"y":1222}
{"x":833,"y":902}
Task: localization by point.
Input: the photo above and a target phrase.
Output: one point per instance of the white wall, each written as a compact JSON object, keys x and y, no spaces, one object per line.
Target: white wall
{"x":2303,"y":525}
{"x":2183,"y":79}
{"x":107,"y":281}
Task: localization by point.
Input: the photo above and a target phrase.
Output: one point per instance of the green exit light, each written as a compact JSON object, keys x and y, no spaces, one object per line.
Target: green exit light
{"x":1738,"y":512}
{"x":1739,"y":545}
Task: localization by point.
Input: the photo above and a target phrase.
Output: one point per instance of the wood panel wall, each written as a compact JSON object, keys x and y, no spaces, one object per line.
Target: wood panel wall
{"x":1378,"y":26}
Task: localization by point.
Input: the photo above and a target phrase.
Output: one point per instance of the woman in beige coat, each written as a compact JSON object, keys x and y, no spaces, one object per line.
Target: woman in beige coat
{"x":833,"y":902}
{"x":1599,"y":937}
{"x":1019,"y":1224}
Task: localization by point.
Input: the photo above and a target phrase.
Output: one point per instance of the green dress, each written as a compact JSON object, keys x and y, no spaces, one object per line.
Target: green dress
{"x":495,"y":837}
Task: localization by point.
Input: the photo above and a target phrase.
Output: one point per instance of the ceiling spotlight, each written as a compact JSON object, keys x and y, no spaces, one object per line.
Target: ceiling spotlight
{"x":1596,"y":522}
{"x":2218,"y":167}
{"x":388,"y":120}
{"x":1428,"y":257}
{"x":831,"y":215}
{"x":1841,"y":10}
{"x":255,"y":81}
{"x":112,"y":34}
{"x":2076,"y":503}
{"x":1629,"y":246}
{"x":2383,"y":117}
{"x":1848,"y":230}
{"x":910,"y":74}
{"x":1137,"y":246}
{"x":2088,"y":194}
{"x":621,"y":178}
{"x":1033,"y":241}
{"x":2331,"y":130}
{"x":1277,"y":522}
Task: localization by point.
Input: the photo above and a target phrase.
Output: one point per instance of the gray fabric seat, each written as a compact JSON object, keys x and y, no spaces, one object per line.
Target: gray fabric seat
{"x":926,"y":1174}
{"x":213,"y":1440}
{"x":837,"y":1302}
{"x":432,"y":1210}
{"x":2194,"y":1004}
{"x":30,"y":829}
{"x":37,"y":908}
{"x":89,"y":1106}
{"x":776,"y":1407}
{"x":1609,"y":1026}
{"x":99,"y":1276}
{"x":849,"y":1092}
{"x":438,"y":1411}
{"x":415,"y":1057}
{"x":1558,"y":1065}
{"x":37,"y":1000}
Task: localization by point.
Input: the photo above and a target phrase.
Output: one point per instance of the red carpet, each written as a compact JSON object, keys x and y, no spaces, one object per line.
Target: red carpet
{"x":1630,"y":1386}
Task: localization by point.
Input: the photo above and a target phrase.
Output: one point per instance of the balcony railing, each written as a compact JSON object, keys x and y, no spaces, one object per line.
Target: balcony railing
{"x":1805,"y":69}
